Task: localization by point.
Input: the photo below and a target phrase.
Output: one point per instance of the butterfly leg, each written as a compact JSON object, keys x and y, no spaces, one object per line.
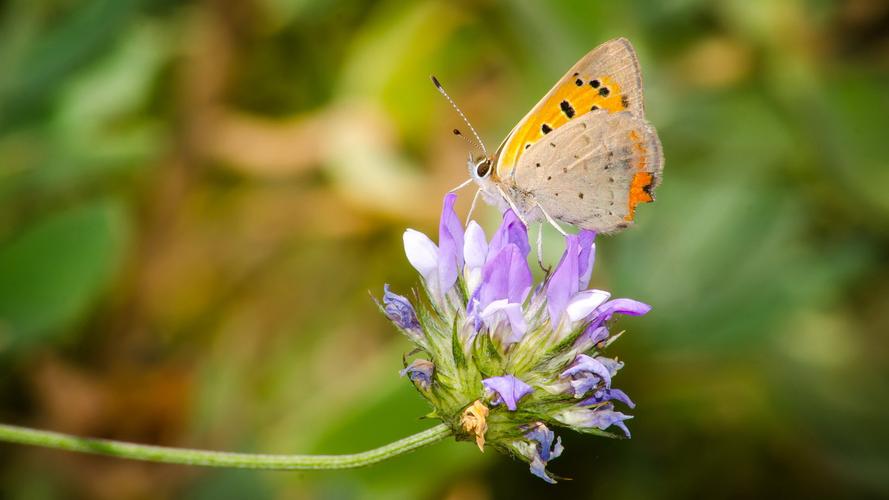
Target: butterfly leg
{"x":512,"y":206}
{"x":472,"y":207}
{"x":544,"y":268}
{"x":552,"y":221}
{"x":461,"y":186}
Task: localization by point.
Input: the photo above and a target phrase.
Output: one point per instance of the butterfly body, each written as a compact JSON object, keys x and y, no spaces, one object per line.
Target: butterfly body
{"x":584,"y":155}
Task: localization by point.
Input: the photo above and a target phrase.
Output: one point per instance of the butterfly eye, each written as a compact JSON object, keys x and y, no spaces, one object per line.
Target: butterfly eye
{"x":483,"y":168}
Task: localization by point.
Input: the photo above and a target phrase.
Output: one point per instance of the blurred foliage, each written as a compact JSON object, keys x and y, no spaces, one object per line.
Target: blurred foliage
{"x":197,"y":196}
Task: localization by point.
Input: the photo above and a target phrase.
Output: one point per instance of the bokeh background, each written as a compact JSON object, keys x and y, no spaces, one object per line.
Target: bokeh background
{"x":196,"y":198}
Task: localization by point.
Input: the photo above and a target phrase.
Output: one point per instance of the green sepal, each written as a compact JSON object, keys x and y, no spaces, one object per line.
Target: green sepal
{"x":457,"y":347}
{"x":486,"y":356}
{"x":598,"y":432}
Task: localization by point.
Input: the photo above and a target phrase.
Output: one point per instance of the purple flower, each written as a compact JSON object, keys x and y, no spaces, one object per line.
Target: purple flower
{"x":564,"y":283}
{"x":450,"y":244}
{"x":438,"y":265}
{"x":619,"y":306}
{"x":482,"y":313}
{"x":420,"y":373}
{"x":505,"y":276}
{"x":590,"y":337}
{"x":606,"y":395}
{"x":587,"y":241}
{"x":505,"y":321}
{"x":399,"y":310}
{"x":586,"y":372}
{"x":542,"y":450}
{"x":600,"y":418}
{"x":506,"y":389}
{"x":511,"y":232}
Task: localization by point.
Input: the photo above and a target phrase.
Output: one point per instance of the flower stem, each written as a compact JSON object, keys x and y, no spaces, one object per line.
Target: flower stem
{"x":149,"y":453}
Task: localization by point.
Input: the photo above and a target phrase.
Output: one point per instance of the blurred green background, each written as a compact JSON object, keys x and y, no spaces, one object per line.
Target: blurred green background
{"x":196,"y":197}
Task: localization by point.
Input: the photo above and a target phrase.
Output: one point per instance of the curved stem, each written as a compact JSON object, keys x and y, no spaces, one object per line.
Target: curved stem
{"x":47,"y":439}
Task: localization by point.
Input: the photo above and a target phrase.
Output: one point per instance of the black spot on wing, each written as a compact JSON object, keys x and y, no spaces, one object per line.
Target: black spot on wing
{"x":594,"y":84}
{"x":604,"y":92}
{"x":578,"y":82}
{"x":567,"y":109}
{"x":648,"y":187}
{"x":625,"y":101}
{"x":545,"y":128}
{"x":594,"y":108}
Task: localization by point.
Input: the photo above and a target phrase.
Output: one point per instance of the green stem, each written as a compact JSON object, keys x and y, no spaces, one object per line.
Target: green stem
{"x":47,"y":439}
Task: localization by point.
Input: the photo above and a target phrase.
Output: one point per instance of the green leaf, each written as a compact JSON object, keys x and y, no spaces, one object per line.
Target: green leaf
{"x":52,"y":273}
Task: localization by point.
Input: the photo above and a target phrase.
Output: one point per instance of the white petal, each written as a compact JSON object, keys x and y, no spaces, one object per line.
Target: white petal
{"x":582,"y":304}
{"x":495,"y":307}
{"x":475,"y":246}
{"x":575,"y":417}
{"x":421,"y":253}
{"x":473,"y":277}
{"x":512,"y":312}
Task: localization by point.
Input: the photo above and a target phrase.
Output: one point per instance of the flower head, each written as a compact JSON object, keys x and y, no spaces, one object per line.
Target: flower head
{"x":505,"y":360}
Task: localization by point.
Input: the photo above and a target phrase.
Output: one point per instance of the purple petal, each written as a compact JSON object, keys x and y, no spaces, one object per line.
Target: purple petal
{"x":506,"y":276}
{"x":501,"y":310}
{"x":600,"y":418}
{"x":511,"y":231}
{"x":612,"y":365}
{"x":584,"y":384}
{"x":583,"y":365}
{"x":564,"y":282}
{"x":592,"y":336}
{"x":587,"y":240}
{"x":605,"y":395}
{"x":538,"y":468}
{"x":506,"y":389}
{"x":420,"y":373}
{"x":605,"y":418}
{"x":544,"y":442}
{"x":620,"y":306}
{"x":450,"y":244}
{"x":399,"y":310}
{"x":584,"y":303}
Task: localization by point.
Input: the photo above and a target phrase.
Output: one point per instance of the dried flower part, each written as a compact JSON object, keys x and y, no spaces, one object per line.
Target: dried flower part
{"x":487,"y":332}
{"x":475,"y":421}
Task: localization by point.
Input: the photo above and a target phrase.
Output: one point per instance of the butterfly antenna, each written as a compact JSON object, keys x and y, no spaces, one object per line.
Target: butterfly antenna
{"x":479,"y":143}
{"x":462,"y":185}
{"x":469,"y":141}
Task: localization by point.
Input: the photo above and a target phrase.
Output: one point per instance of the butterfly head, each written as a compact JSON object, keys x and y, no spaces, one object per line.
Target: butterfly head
{"x":480,"y":168}
{"x":482,"y":171}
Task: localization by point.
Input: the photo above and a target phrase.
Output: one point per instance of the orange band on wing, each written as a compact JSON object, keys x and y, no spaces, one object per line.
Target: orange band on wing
{"x":639,"y":192}
{"x":574,"y":98}
{"x":640,"y":149}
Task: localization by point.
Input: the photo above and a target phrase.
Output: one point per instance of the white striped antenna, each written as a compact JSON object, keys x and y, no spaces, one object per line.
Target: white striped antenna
{"x":478,"y":144}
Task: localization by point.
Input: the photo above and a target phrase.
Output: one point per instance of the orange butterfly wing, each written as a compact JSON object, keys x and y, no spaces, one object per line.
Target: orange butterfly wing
{"x":608,"y":78}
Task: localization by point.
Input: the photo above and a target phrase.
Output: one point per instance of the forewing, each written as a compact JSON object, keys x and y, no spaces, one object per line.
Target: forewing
{"x":594,"y":171}
{"x":607,"y":78}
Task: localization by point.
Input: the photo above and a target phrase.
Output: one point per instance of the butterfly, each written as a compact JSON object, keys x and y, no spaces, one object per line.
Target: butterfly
{"x":584,"y":155}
